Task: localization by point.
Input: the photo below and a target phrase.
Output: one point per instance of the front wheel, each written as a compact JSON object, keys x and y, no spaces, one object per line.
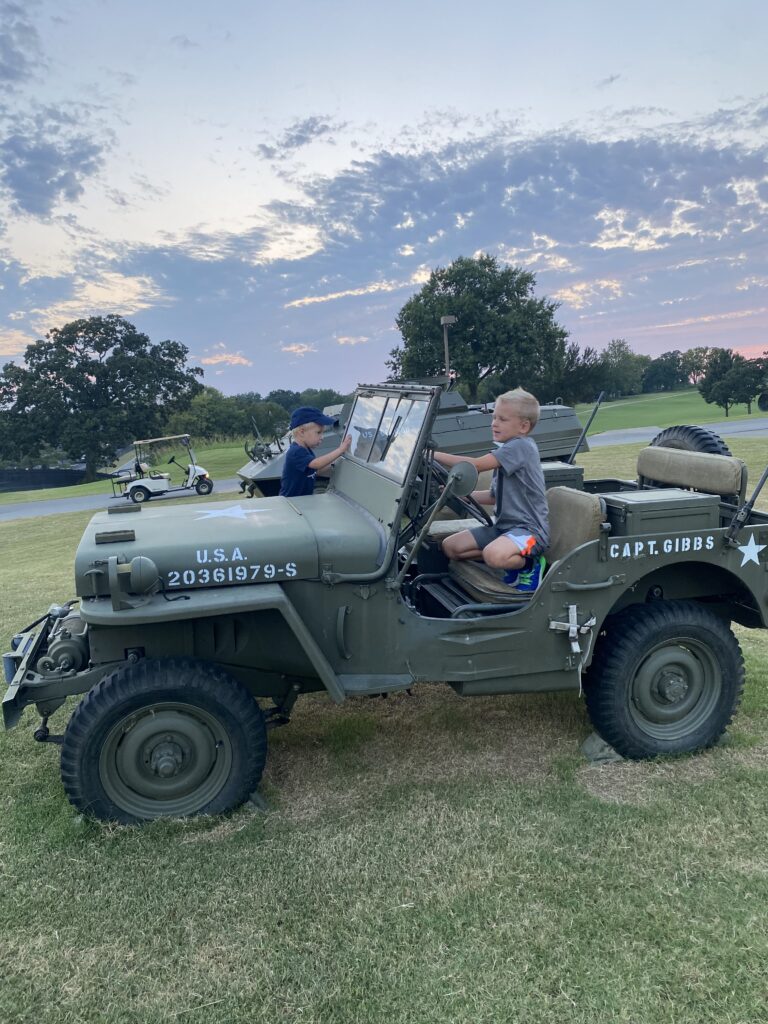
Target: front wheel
{"x":666,"y":679}
{"x":204,"y":486}
{"x":161,"y":739}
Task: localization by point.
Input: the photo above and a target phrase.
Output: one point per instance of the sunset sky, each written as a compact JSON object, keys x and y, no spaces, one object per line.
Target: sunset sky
{"x":269,"y":182}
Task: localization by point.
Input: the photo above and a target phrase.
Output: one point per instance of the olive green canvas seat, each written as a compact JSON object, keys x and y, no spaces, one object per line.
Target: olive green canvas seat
{"x":699,"y":471}
{"x":484,"y":584}
{"x":575,"y":518}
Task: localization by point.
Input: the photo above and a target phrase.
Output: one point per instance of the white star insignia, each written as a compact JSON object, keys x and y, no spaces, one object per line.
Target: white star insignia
{"x":233,"y":512}
{"x":750,"y":551}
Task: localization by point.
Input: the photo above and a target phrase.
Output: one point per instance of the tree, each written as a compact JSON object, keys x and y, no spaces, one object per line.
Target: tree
{"x":694,"y":363}
{"x":744,"y":381}
{"x":211,"y":414}
{"x":320,"y":397}
{"x":719,"y":362}
{"x":289,"y":400}
{"x":623,"y":369}
{"x":502,"y":330}
{"x":92,"y":385}
{"x":665,"y":373}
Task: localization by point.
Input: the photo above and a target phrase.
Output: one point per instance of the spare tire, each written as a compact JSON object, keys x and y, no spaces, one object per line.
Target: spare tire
{"x":691,"y":439}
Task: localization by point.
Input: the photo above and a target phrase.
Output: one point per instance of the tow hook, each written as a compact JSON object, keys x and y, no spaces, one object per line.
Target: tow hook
{"x":43,"y":735}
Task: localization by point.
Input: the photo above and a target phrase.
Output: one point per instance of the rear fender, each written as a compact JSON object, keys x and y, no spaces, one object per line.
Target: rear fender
{"x":714,"y":585}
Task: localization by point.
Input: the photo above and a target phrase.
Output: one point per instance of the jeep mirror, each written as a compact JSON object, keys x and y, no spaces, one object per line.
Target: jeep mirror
{"x":462,"y":479}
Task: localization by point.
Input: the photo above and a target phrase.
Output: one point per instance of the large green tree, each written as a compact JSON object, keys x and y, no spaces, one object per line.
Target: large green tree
{"x":90,"y":387}
{"x":745,"y":381}
{"x":719,"y":362}
{"x":623,"y":369}
{"x":694,"y":363}
{"x":502,"y":330}
{"x":666,"y":373}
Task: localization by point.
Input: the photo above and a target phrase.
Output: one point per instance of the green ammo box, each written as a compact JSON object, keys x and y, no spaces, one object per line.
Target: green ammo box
{"x":663,"y":510}
{"x":561,"y":474}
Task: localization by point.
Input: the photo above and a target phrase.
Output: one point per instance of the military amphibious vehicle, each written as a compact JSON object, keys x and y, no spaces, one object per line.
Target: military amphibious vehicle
{"x":195,"y":629}
{"x":459,"y":428}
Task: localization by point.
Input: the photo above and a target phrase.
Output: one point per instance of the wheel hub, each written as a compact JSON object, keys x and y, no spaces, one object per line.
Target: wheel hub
{"x":672,"y":687}
{"x":166,"y":759}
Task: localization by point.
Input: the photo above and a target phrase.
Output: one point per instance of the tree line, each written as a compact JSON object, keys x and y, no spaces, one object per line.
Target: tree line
{"x":504,"y":337}
{"x":94,"y":385}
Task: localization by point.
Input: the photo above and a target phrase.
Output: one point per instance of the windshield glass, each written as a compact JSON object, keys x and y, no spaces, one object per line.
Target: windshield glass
{"x":385,"y":430}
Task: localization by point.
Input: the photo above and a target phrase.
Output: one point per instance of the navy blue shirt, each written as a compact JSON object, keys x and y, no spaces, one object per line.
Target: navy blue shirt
{"x":297,"y":478}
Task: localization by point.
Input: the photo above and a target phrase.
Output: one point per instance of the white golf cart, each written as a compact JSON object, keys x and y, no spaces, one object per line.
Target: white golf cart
{"x":142,"y":481}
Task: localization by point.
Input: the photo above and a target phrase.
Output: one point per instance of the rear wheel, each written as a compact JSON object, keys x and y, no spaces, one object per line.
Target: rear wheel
{"x":691,"y":439}
{"x":159,"y":739}
{"x":204,"y":486}
{"x":666,"y":679}
{"x":139,"y":495}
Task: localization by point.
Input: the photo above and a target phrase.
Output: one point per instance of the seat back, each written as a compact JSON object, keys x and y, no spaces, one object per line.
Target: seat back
{"x":698,"y":471}
{"x":575,"y":518}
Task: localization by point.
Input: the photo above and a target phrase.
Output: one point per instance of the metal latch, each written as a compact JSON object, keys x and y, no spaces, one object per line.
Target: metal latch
{"x":572,"y":627}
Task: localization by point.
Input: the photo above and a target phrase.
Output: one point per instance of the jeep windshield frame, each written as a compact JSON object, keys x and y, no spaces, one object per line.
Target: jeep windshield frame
{"x":390,"y":426}
{"x":385,"y":431}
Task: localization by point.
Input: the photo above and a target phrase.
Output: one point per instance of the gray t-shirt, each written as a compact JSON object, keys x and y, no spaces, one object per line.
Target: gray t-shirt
{"x":523,"y":492}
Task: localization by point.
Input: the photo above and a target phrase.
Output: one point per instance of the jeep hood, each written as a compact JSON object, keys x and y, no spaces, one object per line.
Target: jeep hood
{"x":225,"y":544}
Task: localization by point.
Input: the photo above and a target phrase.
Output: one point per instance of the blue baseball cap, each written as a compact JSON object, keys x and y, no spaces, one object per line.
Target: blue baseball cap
{"x":308,"y":414}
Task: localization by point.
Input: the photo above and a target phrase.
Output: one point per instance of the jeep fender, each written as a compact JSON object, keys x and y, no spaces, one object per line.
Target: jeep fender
{"x":203,"y":603}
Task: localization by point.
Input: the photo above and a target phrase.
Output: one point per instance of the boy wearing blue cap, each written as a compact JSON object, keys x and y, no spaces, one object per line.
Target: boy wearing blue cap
{"x":301,"y":464}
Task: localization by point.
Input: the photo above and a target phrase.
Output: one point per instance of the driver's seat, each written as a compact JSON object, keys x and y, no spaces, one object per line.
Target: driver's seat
{"x":575,"y":518}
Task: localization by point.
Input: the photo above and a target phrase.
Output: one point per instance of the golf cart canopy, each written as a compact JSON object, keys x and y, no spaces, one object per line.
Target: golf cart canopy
{"x":184,"y":438}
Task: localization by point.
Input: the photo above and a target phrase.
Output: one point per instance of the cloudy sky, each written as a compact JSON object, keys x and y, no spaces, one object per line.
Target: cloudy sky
{"x":268,"y":182}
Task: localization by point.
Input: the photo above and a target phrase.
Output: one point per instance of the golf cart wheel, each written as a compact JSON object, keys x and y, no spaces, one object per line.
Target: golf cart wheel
{"x":204,"y":486}
{"x":691,"y":439}
{"x":666,"y":679}
{"x":139,"y":495}
{"x":166,"y":738}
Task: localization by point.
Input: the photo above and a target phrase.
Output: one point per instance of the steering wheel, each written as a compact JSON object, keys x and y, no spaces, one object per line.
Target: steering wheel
{"x":461,"y":505}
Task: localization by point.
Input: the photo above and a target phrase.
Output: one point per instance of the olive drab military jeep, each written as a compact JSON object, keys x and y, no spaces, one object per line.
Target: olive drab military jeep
{"x":195,"y":628}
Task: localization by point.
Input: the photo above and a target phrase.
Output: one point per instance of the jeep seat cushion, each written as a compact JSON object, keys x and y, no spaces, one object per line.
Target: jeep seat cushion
{"x":575,"y":518}
{"x":713,"y":474}
{"x":442,"y":528}
{"x":483,"y":584}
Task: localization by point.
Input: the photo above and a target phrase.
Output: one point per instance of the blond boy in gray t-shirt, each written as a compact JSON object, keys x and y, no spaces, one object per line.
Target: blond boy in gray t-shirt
{"x":520,"y":533}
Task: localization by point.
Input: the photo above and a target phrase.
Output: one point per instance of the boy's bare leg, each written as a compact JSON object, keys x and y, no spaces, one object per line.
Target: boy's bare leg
{"x":502,"y":553}
{"x":462,"y":546}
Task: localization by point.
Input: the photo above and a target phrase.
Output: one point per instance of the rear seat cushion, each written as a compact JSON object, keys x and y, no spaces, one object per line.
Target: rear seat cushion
{"x":713,"y":474}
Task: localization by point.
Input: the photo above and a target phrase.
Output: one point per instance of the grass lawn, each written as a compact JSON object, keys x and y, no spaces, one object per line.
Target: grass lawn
{"x":660,"y":410}
{"x":424,"y":858}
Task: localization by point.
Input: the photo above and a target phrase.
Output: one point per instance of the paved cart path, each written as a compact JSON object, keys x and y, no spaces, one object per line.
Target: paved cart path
{"x":57,"y":506}
{"x":757,"y":427}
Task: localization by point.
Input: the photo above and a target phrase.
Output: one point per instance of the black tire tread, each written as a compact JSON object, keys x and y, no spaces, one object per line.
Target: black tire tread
{"x":183,"y":679}
{"x":692,"y":439}
{"x":629,"y":632}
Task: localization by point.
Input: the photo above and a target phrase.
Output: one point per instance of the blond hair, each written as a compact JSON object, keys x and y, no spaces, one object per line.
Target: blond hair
{"x":525,"y":404}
